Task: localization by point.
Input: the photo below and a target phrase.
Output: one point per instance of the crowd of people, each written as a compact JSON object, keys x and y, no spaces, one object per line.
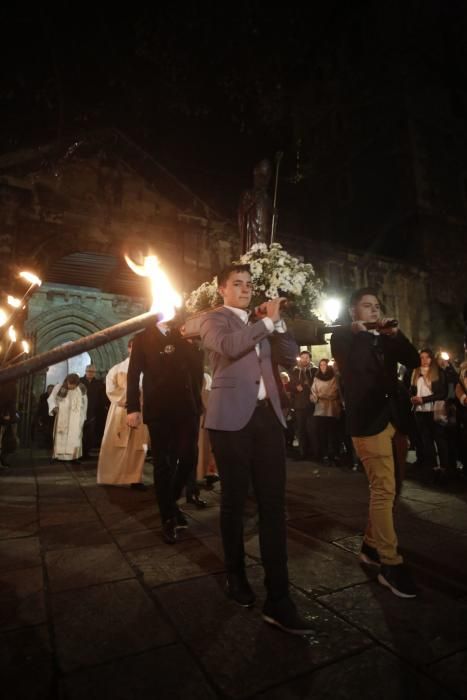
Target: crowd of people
{"x":361,"y":409}
{"x":432,"y":398}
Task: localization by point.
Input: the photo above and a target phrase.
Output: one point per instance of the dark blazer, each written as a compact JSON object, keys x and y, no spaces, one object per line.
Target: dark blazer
{"x":368,"y":367}
{"x":305,"y":377}
{"x":172,"y":375}
{"x":237,"y":368}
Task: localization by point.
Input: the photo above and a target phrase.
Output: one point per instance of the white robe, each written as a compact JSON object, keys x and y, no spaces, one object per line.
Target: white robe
{"x":69,"y":421}
{"x":123,"y":449}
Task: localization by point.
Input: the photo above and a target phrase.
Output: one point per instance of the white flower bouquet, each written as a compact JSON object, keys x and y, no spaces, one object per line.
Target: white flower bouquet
{"x":274,"y":273}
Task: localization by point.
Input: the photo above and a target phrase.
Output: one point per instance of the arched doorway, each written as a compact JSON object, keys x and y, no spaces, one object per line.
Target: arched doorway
{"x":57,"y":373}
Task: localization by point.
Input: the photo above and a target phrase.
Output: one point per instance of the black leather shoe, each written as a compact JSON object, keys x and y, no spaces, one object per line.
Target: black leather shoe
{"x":181,"y":523}
{"x":197,"y":501}
{"x":283,"y":614}
{"x":238,"y":588}
{"x":169,"y":532}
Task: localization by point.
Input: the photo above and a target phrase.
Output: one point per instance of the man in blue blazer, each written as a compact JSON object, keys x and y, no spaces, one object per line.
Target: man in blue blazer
{"x":245,"y":423}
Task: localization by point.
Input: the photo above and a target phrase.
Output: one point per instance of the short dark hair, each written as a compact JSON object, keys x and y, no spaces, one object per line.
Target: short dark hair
{"x":224,"y":274}
{"x":72,"y":378}
{"x":356,"y":296}
{"x":305,"y":352}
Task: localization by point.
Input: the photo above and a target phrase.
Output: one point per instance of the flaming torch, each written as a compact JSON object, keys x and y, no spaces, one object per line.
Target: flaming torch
{"x":164,"y":302}
{"x":25,"y":351}
{"x":12,"y":337}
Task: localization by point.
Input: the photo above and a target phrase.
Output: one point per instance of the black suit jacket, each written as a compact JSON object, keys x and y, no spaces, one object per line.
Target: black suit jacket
{"x":172,"y":375}
{"x":368,"y":367}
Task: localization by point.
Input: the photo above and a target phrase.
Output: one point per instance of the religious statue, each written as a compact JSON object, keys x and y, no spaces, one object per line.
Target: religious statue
{"x":255,"y":210}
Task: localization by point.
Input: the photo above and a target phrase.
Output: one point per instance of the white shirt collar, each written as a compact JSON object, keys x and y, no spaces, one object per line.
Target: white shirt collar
{"x":242,"y":314}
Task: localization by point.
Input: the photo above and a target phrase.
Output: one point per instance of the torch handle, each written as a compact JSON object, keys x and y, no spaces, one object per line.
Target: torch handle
{"x":76,"y":347}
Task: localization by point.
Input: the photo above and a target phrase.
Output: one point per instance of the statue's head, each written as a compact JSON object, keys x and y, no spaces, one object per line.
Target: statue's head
{"x":262,"y":174}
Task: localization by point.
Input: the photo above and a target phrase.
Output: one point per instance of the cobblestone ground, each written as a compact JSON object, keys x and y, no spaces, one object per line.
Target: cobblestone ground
{"x":94,"y":605}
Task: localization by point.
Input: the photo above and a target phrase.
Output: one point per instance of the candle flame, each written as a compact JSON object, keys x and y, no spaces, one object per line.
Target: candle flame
{"x":31,"y":278}
{"x":3,"y":317}
{"x":164,"y":297}
{"x":26,"y":348}
{"x":12,"y":334}
{"x":13,"y":301}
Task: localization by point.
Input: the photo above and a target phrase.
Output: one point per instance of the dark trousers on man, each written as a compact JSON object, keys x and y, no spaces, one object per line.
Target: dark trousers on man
{"x":255,"y":453}
{"x":304,"y":431}
{"x":174,"y":445}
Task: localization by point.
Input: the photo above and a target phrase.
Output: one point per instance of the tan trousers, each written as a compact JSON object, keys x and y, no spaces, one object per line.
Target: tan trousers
{"x":376,"y":455}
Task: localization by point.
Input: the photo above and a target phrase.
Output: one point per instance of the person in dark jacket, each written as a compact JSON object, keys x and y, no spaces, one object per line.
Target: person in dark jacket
{"x":8,"y":419}
{"x":301,"y":379}
{"x":367,"y":360}
{"x":172,"y":380}
{"x":97,"y":403}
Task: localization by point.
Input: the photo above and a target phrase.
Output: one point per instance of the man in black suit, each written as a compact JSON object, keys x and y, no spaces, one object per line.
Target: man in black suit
{"x":367,"y":361}
{"x":172,"y":380}
{"x":95,"y":391}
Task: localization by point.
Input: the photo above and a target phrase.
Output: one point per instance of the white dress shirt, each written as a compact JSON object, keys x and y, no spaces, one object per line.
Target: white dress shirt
{"x":278,"y":326}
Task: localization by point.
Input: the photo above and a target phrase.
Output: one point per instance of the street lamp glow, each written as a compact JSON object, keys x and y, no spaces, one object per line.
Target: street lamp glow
{"x":12,"y":334}
{"x":3,"y":317}
{"x":14,"y":302}
{"x":26,"y":348}
{"x":31,"y":278}
{"x":332,"y":308}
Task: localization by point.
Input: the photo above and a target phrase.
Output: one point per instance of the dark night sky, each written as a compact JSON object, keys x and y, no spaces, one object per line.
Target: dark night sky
{"x":207,"y":89}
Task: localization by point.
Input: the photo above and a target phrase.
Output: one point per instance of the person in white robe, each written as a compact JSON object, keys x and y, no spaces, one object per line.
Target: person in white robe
{"x":68,"y":403}
{"x":123,"y":449}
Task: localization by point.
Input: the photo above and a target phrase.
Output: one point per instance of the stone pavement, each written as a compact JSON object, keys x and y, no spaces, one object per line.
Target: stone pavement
{"x":94,"y":605}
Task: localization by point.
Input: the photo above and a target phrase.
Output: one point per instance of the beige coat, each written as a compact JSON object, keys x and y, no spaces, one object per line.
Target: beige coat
{"x":123,"y":449}
{"x":326,"y":397}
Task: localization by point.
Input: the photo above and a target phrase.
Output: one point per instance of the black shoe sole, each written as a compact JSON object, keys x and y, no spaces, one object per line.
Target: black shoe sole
{"x":242,"y":605}
{"x":396,"y":591}
{"x":289,"y":630}
{"x":370,"y":562}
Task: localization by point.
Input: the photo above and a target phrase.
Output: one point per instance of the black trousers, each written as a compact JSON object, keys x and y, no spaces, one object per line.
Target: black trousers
{"x":174,"y":445}
{"x":255,"y":453}
{"x":326,"y":436}
{"x":304,"y":431}
{"x":430,"y":433}
{"x":89,"y":435}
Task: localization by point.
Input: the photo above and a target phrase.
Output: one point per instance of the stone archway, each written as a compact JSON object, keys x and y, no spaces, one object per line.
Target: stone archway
{"x":60,"y":325}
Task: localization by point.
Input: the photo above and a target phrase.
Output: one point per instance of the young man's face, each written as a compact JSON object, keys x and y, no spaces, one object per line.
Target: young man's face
{"x":304,"y":360}
{"x":368,"y":309}
{"x":237,"y":290}
{"x":90,"y":374}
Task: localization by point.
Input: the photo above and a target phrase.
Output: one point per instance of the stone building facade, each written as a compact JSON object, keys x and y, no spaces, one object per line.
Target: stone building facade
{"x":70,"y":212}
{"x":383,"y":149}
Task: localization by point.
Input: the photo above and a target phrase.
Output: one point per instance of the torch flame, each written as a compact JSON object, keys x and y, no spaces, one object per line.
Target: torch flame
{"x":31,"y":278}
{"x":12,"y":334}
{"x":3,"y":317}
{"x":164,"y":297}
{"x":13,"y":301}
{"x":26,"y":348}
